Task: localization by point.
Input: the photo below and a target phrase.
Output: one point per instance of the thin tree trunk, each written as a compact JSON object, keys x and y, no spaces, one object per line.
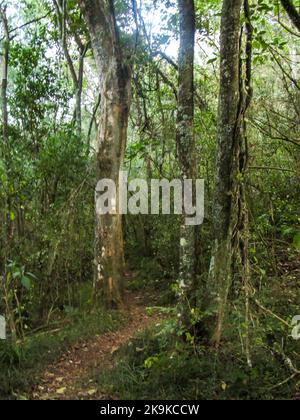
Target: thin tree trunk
{"x":5,"y":78}
{"x":246,"y":93}
{"x":227,"y":163}
{"x":115,"y":90}
{"x":77,"y":78}
{"x":186,"y":149}
{"x":6,"y":222}
{"x":92,"y":122}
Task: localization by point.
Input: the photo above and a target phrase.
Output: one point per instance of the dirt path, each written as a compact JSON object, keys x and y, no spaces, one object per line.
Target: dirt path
{"x":68,"y":378}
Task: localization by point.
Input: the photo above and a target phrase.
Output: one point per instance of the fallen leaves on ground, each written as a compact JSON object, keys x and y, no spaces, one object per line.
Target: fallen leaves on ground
{"x":68,"y":378}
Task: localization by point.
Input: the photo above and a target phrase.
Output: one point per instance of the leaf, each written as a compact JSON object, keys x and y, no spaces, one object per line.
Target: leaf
{"x":16,"y":274}
{"x":26,"y":282}
{"x":140,"y":349}
{"x":12,"y":216}
{"x":22,"y":398}
{"x":212,"y":60}
{"x":296,"y":241}
{"x":61,"y":391}
{"x":224,"y":386}
{"x":92,"y":392}
{"x":287,"y":231}
{"x":32,"y":276}
{"x":114,"y":349}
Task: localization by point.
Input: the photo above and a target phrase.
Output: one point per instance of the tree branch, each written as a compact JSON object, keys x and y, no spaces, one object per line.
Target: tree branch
{"x":36,"y":20}
{"x":292,"y":12}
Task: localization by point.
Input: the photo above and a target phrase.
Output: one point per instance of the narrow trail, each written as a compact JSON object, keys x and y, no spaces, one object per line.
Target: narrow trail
{"x":69,"y":377}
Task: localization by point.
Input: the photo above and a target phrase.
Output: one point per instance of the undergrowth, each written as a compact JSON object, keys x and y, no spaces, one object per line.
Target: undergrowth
{"x":157,"y":365}
{"x":22,"y":363}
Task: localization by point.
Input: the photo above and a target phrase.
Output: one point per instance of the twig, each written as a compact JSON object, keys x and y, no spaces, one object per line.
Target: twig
{"x":268,"y":311}
{"x":271,"y":168}
{"x":290,"y":378}
{"x":31,"y":22}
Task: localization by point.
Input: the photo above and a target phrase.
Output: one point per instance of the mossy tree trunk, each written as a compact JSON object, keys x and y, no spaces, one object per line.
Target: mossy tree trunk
{"x":295,"y":19}
{"x":186,"y":150}
{"x":226,"y":199}
{"x":115,"y":90}
{"x":6,"y":221}
{"x":293,"y":13}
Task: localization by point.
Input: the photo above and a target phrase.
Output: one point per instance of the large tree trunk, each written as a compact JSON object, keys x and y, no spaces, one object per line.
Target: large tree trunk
{"x":115,"y":89}
{"x":186,"y":149}
{"x":227,"y":169}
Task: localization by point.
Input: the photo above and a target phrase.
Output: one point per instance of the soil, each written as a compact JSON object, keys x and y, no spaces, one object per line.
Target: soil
{"x":70,"y":377}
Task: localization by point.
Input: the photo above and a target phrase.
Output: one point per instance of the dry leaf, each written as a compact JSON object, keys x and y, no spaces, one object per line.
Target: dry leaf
{"x":224,"y":386}
{"x":61,"y":391}
{"x":114,"y":350}
{"x":92,"y":392}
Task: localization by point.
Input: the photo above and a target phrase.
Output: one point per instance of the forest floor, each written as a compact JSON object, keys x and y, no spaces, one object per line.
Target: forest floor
{"x":69,"y":378}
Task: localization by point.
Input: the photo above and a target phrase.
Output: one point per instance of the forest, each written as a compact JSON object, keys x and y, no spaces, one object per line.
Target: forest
{"x":149,"y":200}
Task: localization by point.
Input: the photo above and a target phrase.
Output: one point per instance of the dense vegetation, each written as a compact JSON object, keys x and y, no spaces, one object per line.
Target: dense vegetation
{"x":161,"y":89}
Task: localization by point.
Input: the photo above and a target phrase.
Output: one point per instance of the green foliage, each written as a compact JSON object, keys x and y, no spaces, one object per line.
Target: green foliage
{"x":159,"y":367}
{"x":38,"y":92}
{"x":296,"y":241}
{"x":47,"y":178}
{"x":17,"y":295}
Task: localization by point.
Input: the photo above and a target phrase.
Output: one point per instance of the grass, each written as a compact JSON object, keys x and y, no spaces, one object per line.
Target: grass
{"x":21,"y":364}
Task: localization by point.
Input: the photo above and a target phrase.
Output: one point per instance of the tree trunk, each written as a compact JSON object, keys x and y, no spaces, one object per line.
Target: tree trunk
{"x":115,"y":90}
{"x":6,"y":222}
{"x":186,"y":149}
{"x":77,"y":78}
{"x":227,"y":169}
{"x":292,"y":12}
{"x":295,"y":19}
{"x":243,"y":229}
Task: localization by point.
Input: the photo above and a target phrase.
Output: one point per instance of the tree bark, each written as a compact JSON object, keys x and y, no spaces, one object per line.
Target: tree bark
{"x":226,"y":197}
{"x":243,"y":234}
{"x":186,"y":150}
{"x":292,"y":12}
{"x":294,"y":77}
{"x":115,"y":91}
{"x":6,"y":222}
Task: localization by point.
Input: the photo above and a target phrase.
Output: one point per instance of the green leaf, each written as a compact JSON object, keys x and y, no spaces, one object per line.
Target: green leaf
{"x":212,"y":60}
{"x":296,"y":241}
{"x":12,"y":216}
{"x":26,"y":282}
{"x":287,"y":231}
{"x":262,"y":272}
{"x":16,"y":274}
{"x":150,"y":362}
